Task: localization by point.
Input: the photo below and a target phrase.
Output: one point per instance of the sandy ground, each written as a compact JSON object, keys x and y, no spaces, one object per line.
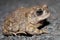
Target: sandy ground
{"x":7,"y":6}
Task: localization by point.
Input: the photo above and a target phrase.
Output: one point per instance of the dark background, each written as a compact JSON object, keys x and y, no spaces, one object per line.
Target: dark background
{"x":7,"y":6}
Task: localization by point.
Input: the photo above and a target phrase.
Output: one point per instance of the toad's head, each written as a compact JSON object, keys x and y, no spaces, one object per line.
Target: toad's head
{"x":38,"y":13}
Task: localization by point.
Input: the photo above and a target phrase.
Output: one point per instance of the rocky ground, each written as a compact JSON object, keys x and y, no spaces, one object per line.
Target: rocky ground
{"x":7,"y":6}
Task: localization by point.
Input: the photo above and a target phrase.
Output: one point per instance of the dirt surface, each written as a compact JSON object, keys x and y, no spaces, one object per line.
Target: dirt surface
{"x":7,"y":6}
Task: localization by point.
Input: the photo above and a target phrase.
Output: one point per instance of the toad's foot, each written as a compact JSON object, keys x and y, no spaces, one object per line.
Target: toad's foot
{"x":44,"y":31}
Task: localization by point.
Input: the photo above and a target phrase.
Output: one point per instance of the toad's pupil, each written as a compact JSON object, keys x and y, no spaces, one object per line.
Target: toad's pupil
{"x":39,"y":12}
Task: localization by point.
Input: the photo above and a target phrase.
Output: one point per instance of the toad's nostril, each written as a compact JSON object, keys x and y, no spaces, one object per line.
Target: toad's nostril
{"x":39,"y":12}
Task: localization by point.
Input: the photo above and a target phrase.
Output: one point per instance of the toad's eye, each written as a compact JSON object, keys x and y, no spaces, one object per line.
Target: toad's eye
{"x":39,"y":12}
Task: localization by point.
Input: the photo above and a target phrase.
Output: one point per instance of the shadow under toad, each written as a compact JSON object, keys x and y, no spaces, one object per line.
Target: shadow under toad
{"x":45,"y":23}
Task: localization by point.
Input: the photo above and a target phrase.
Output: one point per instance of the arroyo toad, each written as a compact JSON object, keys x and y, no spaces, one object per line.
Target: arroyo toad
{"x":25,"y":20}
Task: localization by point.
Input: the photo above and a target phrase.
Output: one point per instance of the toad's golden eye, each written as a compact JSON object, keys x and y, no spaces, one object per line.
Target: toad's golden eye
{"x":39,"y":12}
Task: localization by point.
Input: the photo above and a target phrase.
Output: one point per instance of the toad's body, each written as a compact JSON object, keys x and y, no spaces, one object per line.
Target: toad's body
{"x":25,"y":20}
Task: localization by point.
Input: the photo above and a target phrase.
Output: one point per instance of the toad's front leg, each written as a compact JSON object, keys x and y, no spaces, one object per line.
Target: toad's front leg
{"x":34,"y":30}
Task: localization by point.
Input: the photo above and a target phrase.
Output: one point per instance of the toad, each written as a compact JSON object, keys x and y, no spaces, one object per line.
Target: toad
{"x":26,"y":20}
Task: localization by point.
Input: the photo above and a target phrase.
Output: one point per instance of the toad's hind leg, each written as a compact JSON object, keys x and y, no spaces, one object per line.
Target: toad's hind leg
{"x":33,"y":30}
